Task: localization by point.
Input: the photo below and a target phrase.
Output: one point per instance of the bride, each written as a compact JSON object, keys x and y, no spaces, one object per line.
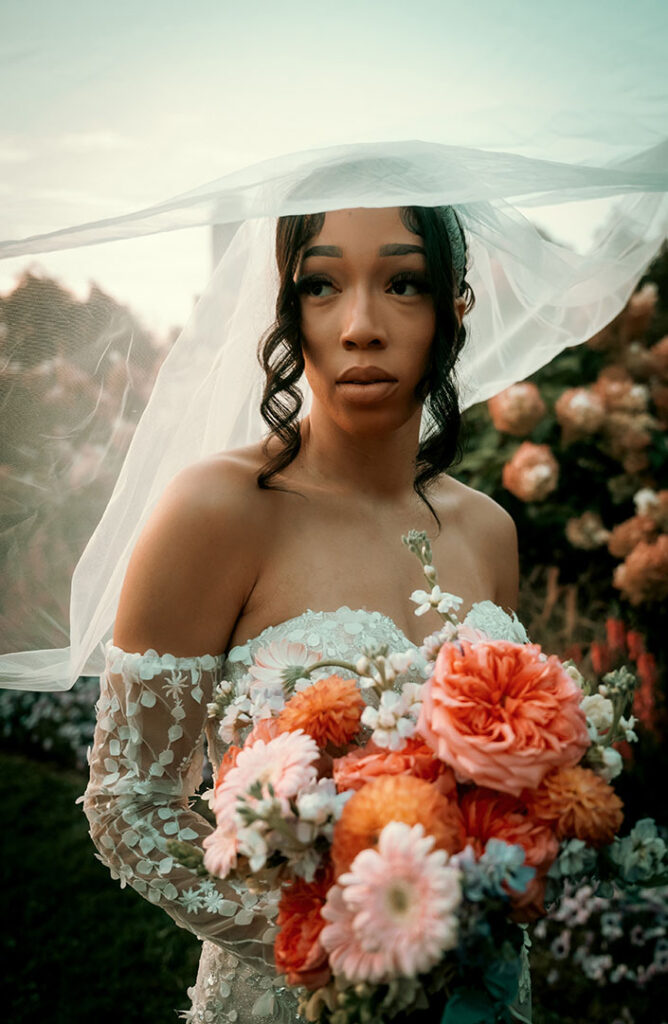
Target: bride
{"x":213,"y":556}
{"x":295,"y":540}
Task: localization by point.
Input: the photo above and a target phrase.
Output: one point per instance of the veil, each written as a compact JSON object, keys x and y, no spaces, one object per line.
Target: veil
{"x":534,"y":295}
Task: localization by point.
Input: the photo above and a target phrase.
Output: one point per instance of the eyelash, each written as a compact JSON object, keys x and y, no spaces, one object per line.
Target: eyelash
{"x":419,"y":281}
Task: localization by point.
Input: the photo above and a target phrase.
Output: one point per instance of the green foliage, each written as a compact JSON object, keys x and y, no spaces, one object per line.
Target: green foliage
{"x":76,"y":948}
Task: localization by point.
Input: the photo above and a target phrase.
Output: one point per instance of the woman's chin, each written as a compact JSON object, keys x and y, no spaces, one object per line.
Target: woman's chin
{"x":375,"y":422}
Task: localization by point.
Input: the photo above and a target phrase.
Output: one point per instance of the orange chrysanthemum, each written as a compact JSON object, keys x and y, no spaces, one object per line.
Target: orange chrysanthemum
{"x":578,"y":804}
{"x":297,"y":949}
{"x":394,"y":798}
{"x":415,"y":758}
{"x":329,"y":711}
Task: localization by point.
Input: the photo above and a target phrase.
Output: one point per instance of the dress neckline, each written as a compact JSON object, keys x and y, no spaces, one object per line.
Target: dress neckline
{"x":240,"y":648}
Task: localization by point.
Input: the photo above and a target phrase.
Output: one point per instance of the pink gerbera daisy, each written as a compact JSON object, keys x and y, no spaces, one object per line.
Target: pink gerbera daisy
{"x":286,"y":762}
{"x":221,"y":850}
{"x":282,"y":656}
{"x":393,"y":913}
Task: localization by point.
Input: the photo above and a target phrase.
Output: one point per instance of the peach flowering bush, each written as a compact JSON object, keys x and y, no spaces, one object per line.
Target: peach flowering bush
{"x":642,"y":543}
{"x":518,"y":409}
{"x":532,"y":473}
{"x":405,"y":828}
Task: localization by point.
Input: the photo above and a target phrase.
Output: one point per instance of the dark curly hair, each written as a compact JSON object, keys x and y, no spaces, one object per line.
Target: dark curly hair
{"x":281,"y":357}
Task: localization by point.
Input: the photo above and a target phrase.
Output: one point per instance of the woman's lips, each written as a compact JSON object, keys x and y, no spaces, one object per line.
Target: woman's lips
{"x":366,"y":392}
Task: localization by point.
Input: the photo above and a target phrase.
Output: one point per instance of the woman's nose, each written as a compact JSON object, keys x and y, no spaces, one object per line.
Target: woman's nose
{"x":361,"y":326}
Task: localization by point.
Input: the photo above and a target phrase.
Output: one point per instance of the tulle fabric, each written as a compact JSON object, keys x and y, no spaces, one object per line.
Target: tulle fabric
{"x":534,"y":297}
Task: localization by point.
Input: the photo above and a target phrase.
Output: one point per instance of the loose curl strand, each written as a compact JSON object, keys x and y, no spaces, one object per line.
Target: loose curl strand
{"x":281,"y":357}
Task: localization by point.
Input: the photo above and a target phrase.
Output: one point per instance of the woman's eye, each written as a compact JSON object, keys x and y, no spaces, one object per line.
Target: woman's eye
{"x":409,"y":285}
{"x":315,"y":286}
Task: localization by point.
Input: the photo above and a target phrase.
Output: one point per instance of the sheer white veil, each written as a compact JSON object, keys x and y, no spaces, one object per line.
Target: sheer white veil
{"x":534,"y":297}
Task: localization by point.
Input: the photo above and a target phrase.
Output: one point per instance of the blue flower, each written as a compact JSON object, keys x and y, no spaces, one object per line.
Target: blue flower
{"x":501,"y":866}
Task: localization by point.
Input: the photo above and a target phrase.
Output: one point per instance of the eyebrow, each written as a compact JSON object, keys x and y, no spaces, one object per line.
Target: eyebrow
{"x":398,"y":249}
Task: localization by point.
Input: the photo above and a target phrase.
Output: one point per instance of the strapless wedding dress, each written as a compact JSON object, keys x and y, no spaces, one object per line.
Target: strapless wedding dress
{"x":146,"y":765}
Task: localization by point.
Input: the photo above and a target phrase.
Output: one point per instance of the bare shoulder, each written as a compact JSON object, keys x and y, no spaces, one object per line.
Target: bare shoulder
{"x":491,"y":530}
{"x":196,"y":559}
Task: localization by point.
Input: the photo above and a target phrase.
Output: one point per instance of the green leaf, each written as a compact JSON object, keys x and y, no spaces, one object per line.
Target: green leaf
{"x":468,"y":1006}
{"x":502,"y":979}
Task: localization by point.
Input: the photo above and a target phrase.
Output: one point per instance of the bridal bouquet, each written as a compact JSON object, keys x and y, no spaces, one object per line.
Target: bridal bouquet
{"x":413,"y":815}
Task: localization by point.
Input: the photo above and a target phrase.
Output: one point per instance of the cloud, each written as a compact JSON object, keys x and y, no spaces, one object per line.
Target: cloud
{"x":94,"y":142}
{"x":77,"y":197}
{"x":13,"y":150}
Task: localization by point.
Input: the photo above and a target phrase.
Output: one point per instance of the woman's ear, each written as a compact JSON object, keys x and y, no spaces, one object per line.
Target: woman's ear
{"x":460,"y":309}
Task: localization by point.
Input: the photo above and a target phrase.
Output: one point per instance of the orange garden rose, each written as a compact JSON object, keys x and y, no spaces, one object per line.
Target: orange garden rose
{"x":532,"y":473}
{"x":297,"y":949}
{"x":329,"y":711}
{"x":394,"y":798}
{"x":502,"y":714}
{"x":578,"y":804}
{"x":518,"y":409}
{"x":415,"y":758}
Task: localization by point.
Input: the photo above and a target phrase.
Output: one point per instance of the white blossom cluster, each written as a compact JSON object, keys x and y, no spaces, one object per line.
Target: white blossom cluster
{"x":395,"y":719}
{"x":250,"y":703}
{"x":600,"y":714}
{"x":386,"y":666}
{"x":317,"y":808}
{"x":443,"y":602}
{"x":432,"y":644}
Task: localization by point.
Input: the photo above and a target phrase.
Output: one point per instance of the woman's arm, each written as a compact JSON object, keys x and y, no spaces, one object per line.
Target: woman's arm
{"x":182,"y":595}
{"x":194,"y":564}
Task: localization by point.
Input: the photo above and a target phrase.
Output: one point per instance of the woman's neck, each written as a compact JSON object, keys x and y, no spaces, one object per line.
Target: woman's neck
{"x":379,"y":467}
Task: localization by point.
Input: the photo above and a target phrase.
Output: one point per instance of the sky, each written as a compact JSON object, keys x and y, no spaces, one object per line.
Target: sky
{"x":109,"y":107}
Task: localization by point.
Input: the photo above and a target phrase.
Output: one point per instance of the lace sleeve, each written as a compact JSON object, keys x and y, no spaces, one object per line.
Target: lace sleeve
{"x":145,"y":765}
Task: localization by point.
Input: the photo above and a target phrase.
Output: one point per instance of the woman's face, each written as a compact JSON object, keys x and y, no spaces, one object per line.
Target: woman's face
{"x":367,"y":318}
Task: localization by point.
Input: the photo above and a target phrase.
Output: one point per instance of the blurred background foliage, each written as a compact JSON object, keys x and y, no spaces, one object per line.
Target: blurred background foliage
{"x":578,"y":455}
